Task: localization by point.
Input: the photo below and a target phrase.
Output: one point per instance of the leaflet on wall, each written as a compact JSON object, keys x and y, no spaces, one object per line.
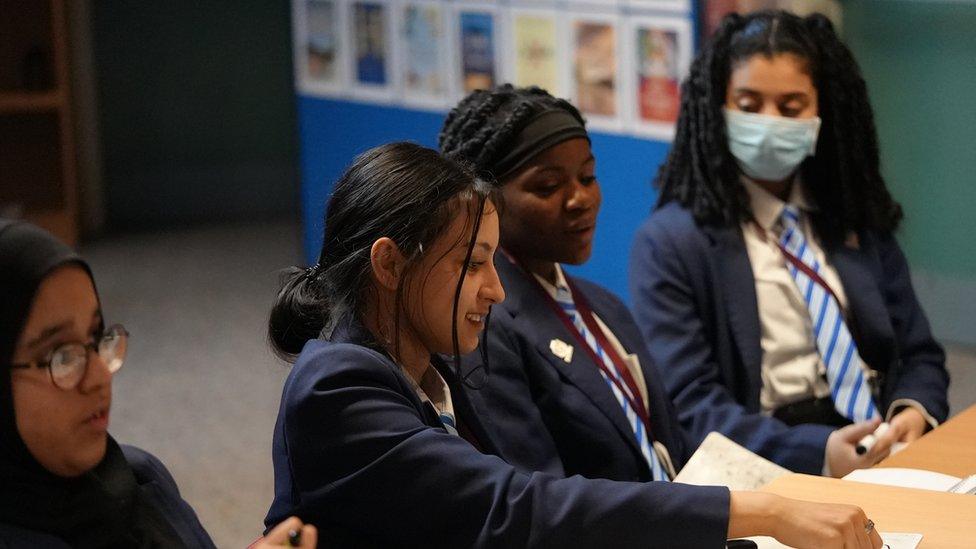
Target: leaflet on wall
{"x":318,"y":46}
{"x":371,"y":25}
{"x":424,"y":54}
{"x":477,"y":62}
{"x":536,"y":50}
{"x":594,"y":77}
{"x":661,"y":55}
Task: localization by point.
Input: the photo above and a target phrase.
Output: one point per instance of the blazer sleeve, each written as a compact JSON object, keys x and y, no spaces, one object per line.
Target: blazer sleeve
{"x":674,"y":328}
{"x":363,"y":459}
{"x":505,"y":403}
{"x":919,"y":373}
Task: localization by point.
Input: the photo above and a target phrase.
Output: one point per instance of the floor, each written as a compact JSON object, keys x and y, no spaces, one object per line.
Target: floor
{"x":201,"y":389}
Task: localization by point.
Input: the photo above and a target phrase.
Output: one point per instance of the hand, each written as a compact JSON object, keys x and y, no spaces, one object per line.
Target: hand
{"x":800,"y":524}
{"x":805,"y":524}
{"x":908,"y":425}
{"x":841,"y":455}
{"x":278,"y":536}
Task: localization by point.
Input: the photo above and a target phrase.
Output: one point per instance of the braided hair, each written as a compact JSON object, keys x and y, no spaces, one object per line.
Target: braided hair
{"x":843,"y":177}
{"x":481,"y":128}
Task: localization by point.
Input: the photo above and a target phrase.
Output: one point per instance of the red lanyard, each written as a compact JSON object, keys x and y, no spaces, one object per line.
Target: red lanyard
{"x":630,"y":392}
{"x":799,"y":264}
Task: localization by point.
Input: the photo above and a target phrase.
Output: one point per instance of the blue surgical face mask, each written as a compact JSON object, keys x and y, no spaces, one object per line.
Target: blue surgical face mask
{"x":770,"y":148}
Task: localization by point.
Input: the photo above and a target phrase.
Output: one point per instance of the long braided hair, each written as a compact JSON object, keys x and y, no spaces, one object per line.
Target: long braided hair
{"x":480,"y":129}
{"x":843,"y":178}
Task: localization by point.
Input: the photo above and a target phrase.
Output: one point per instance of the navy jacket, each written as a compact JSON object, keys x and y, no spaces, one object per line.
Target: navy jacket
{"x":160,"y":490}
{"x":695,"y":300}
{"x":547,"y":415}
{"x":358,"y":455}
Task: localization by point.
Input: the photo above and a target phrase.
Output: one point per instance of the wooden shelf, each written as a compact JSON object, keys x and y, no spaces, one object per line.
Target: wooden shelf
{"x":37,"y":159}
{"x":27,"y":102}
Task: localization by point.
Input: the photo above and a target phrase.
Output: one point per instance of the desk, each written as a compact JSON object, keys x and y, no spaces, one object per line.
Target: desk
{"x":944,"y":520}
{"x":950,"y":448}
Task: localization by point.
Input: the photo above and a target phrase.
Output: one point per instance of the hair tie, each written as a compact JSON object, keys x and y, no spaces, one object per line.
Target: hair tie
{"x":312,"y":271}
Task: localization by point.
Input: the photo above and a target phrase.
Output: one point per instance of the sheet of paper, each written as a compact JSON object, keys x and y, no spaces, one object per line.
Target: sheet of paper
{"x":905,"y":478}
{"x":721,"y":462}
{"x":892,"y":540}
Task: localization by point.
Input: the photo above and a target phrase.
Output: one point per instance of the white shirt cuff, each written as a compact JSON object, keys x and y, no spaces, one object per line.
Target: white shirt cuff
{"x":911,"y":403}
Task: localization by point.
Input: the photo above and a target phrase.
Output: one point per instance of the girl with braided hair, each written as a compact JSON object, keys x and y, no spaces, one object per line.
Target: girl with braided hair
{"x":564,"y":384}
{"x":767,"y":284}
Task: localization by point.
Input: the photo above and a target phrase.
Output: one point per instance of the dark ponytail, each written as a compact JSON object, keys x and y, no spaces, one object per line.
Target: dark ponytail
{"x":401,"y":191}
{"x":298,"y":314}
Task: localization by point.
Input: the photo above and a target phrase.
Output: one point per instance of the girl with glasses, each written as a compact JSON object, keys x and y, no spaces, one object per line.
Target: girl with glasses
{"x":376,"y":443}
{"x":64,"y":481}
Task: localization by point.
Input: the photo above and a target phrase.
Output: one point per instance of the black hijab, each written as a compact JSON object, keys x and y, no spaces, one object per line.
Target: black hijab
{"x":101,"y":508}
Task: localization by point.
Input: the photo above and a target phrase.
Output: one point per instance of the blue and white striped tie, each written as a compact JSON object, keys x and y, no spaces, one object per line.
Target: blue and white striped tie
{"x":845,"y":372}
{"x":565,"y":299}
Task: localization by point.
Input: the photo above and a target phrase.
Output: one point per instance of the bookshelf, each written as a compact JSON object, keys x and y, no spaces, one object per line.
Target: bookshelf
{"x":37,"y":151}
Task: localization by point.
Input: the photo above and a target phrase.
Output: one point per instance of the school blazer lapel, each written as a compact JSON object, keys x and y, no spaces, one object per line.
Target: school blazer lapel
{"x":737,"y":287}
{"x":538,"y":323}
{"x":867,"y":314}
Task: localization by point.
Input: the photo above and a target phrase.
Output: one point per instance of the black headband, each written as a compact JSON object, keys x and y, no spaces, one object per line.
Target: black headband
{"x":544,"y":130}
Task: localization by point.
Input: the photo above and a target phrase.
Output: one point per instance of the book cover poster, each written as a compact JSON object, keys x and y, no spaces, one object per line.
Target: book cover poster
{"x":661,"y":54}
{"x":594,"y":77}
{"x":369,"y":43}
{"x":477,"y":41}
{"x":322,"y":41}
{"x":535,"y":44}
{"x":423,"y":50}
{"x":658,"y":79}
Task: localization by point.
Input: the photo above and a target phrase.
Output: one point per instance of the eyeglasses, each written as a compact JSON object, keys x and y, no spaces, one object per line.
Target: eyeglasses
{"x":68,"y":363}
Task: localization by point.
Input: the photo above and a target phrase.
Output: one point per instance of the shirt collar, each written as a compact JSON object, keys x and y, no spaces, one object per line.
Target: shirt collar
{"x":767,"y":208}
{"x":432,"y":388}
{"x":551,"y":288}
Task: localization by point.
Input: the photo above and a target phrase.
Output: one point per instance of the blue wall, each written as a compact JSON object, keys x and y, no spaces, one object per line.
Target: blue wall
{"x":333,"y":132}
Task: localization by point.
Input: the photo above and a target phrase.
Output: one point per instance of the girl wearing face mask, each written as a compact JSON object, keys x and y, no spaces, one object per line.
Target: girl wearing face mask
{"x":64,"y":482}
{"x":376,"y":443}
{"x":768,"y":284}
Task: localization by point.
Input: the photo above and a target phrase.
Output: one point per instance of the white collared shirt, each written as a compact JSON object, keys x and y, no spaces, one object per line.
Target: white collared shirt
{"x":792,"y":369}
{"x":433,"y":390}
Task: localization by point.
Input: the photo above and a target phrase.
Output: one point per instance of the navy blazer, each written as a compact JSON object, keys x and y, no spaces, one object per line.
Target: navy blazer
{"x":695,"y":300}
{"x":159,"y":488}
{"x":547,"y":415}
{"x":357,"y":454}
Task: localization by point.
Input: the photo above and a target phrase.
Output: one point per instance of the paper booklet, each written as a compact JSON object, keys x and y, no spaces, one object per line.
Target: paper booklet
{"x":915,"y":478}
{"x":721,"y":462}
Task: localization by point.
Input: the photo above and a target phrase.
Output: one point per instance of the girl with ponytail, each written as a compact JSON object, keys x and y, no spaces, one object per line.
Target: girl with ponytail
{"x":376,"y":443}
{"x":767,"y":283}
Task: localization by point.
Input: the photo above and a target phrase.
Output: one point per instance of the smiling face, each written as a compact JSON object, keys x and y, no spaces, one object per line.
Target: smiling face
{"x":775,"y":86}
{"x":551,"y":206}
{"x":429,"y":292}
{"x":65,"y":430}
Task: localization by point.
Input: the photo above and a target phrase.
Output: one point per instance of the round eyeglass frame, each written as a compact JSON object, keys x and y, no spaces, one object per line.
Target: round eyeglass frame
{"x":67,"y":364}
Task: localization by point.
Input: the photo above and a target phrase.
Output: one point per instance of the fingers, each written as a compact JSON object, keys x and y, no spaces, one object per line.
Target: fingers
{"x":876,"y":541}
{"x":910,"y":436}
{"x":882,"y":446}
{"x":855,"y":432}
{"x":858,"y":523}
{"x":279,"y":534}
{"x":310,"y":537}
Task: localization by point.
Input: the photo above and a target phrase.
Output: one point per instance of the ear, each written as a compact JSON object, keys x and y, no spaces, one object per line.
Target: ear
{"x":387,"y":263}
